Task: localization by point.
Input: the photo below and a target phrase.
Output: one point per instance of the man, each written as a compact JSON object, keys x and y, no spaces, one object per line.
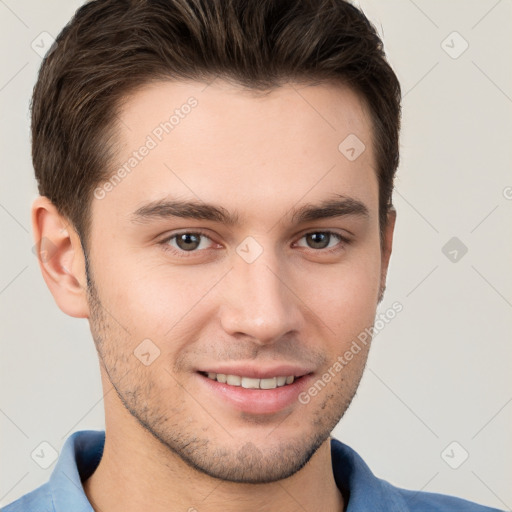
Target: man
{"x":216,"y":181}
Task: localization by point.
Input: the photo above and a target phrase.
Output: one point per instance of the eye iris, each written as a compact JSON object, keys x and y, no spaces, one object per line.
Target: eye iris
{"x":185,"y":238}
{"x":319,"y":238}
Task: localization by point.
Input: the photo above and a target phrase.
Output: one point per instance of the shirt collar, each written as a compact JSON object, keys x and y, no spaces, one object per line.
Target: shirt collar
{"x":78,"y":459}
{"x":83,"y":449}
{"x":359,"y":486}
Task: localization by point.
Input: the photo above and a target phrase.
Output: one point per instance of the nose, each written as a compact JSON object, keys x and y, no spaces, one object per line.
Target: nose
{"x":259,"y":300}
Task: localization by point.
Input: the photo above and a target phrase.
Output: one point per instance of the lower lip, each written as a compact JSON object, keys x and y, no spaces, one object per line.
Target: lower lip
{"x":258,"y":401}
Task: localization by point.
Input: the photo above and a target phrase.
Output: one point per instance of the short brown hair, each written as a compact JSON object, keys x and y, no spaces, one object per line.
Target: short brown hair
{"x":111,"y":47}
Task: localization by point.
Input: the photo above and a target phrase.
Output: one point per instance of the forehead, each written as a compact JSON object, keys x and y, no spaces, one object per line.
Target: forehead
{"x":219,"y":143}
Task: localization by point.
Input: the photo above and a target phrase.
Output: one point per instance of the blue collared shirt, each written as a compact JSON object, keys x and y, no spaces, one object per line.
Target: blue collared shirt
{"x":361,"y":489}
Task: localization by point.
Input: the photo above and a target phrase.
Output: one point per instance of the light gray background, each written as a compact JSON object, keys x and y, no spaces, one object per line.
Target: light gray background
{"x":438,"y":373}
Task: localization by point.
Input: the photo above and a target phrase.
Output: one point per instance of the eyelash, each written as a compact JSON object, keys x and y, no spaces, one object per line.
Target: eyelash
{"x":188,"y":254}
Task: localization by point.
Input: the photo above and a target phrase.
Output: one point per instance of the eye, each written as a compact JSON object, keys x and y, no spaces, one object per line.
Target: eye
{"x":321,"y":240}
{"x":187,"y":241}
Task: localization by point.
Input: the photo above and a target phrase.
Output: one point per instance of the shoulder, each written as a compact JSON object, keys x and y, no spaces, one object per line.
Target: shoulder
{"x":365,"y":491}
{"x":38,"y":500}
{"x":421,"y":501}
{"x":63,"y":492}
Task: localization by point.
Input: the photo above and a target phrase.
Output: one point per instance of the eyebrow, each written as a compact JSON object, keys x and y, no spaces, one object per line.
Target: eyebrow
{"x":341,"y":206}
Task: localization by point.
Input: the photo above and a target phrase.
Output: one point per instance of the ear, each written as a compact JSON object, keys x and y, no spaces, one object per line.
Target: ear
{"x":61,"y":258}
{"x":387,"y":245}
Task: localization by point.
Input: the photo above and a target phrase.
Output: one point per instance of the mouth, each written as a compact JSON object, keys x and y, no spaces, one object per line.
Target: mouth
{"x":250,"y":382}
{"x":252,"y":395}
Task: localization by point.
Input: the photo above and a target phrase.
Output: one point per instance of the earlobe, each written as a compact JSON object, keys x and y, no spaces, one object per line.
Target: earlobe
{"x":61,"y":258}
{"x":387,"y":247}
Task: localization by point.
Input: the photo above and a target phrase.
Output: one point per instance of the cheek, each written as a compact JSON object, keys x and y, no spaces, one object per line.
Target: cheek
{"x":159,"y":301}
{"x":344,"y":296}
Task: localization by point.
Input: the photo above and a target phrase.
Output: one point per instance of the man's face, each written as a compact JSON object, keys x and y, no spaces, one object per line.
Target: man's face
{"x":270,"y":295}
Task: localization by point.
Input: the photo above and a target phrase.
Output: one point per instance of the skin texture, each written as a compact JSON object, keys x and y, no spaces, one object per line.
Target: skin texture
{"x":171,"y":442}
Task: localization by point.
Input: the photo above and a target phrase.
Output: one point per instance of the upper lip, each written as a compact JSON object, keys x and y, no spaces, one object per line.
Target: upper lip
{"x":258,"y":372}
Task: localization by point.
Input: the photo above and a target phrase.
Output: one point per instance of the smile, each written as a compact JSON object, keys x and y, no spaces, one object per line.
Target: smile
{"x":249,"y":382}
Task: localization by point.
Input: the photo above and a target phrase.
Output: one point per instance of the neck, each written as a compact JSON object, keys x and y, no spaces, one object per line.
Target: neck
{"x":137,"y":472}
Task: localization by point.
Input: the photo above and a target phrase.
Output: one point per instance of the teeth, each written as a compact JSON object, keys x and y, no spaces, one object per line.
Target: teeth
{"x":268,"y":383}
{"x":250,"y":383}
{"x":234,"y":380}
